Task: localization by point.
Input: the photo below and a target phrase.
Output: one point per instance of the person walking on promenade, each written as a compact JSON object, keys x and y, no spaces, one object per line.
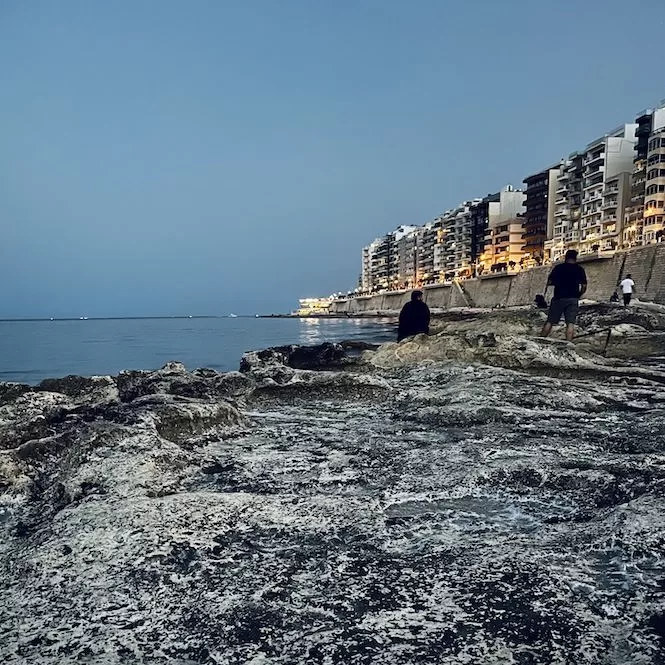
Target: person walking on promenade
{"x":627,"y":287}
{"x":414,"y":317}
{"x":569,"y":281}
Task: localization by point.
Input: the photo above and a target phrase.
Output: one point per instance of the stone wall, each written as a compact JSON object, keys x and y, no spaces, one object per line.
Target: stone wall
{"x":646,"y":264}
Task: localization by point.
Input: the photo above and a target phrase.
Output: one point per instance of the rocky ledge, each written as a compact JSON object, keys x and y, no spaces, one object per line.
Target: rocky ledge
{"x":477,"y":496}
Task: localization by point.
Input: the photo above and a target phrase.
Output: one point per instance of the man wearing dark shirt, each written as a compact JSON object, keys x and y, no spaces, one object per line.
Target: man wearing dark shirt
{"x":414,"y":317}
{"x":569,"y":281}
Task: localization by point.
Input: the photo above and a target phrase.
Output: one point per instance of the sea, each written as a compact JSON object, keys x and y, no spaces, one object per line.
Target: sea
{"x":31,"y":351}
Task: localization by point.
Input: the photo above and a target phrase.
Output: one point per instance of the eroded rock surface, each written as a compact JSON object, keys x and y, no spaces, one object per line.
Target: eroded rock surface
{"x":429,"y":502}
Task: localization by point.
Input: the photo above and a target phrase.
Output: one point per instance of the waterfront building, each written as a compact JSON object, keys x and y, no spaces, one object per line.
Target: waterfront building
{"x":503,"y":238}
{"x":565,"y":232}
{"x":633,"y":221}
{"x":538,"y":218}
{"x":313,"y":306}
{"x":654,"y":197}
{"x":367,"y":278}
{"x":608,"y":163}
{"x":406,"y":256}
{"x":480,"y":227}
{"x":458,"y":241}
{"x":380,"y":263}
{"x":426,"y":242}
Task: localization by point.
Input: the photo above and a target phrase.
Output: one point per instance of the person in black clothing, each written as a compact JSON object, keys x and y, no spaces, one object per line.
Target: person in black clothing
{"x":414,"y":317}
{"x":569,"y":281}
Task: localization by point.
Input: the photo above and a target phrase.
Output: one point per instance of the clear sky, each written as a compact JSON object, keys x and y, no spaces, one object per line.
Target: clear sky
{"x":206,"y":157}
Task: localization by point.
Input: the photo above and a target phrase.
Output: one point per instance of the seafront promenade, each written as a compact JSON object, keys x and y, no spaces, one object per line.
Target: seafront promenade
{"x":604,"y":271}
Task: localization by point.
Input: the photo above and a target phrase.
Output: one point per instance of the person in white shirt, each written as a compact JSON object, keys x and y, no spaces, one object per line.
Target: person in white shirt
{"x":627,"y":287}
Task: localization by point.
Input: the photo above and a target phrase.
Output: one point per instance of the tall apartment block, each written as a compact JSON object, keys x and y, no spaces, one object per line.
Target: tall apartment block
{"x":654,"y":197}
{"x":608,"y":164}
{"x":642,"y":227}
{"x":405,"y":268}
{"x":426,"y":242}
{"x":459,"y":240}
{"x":538,"y":220}
{"x":633,"y":220}
{"x":480,"y":218}
{"x":503,"y":238}
{"x":565,"y":230}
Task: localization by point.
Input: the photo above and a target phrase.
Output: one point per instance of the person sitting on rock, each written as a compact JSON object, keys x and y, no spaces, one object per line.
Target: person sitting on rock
{"x":414,"y":317}
{"x":569,"y":281}
{"x":614,"y":297}
{"x":540,"y":301}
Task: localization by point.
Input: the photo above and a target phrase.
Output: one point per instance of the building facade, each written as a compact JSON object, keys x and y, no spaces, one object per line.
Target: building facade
{"x":503,"y":238}
{"x":426,"y":243}
{"x":407,"y":247}
{"x":458,"y":241}
{"x":633,"y":221}
{"x":654,"y":196}
{"x":480,"y":217}
{"x":565,"y":230}
{"x":608,"y":163}
{"x":538,"y":219}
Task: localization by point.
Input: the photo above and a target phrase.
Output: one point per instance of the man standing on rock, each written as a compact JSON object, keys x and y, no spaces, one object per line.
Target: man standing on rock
{"x":569,"y":281}
{"x":627,"y":287}
{"x":414,"y":317}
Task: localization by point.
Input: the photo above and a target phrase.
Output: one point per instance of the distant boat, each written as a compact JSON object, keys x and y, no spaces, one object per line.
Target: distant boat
{"x":233,"y":316}
{"x":190,"y":316}
{"x":51,"y":318}
{"x":83,"y":318}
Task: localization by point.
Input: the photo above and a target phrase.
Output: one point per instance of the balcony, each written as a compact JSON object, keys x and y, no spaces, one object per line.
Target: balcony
{"x":610,"y":190}
{"x":609,"y":205}
{"x":594,"y":158}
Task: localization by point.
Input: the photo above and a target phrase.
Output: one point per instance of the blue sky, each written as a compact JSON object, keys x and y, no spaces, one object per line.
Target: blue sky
{"x":204,"y":157}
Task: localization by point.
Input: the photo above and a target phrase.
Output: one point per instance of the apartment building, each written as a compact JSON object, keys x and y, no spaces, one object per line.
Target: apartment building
{"x":654,"y":196}
{"x":503,"y":238}
{"x":458,"y":243}
{"x":633,"y":220}
{"x":608,"y":164}
{"x":440,"y":252}
{"x":380,"y":263}
{"x":538,"y":220}
{"x":406,"y":256}
{"x":480,"y":227}
{"x":426,"y":243}
{"x":367,"y":274}
{"x":565,"y":229}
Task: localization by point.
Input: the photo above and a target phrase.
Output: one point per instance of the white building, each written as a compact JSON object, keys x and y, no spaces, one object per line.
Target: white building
{"x":565,"y":230}
{"x":503,"y":240}
{"x":608,"y":163}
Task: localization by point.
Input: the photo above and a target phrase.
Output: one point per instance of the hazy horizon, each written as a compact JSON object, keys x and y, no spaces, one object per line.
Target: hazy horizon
{"x":221,"y":157}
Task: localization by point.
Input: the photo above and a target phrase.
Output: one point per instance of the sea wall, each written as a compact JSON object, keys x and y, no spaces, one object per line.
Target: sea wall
{"x":646,"y":264}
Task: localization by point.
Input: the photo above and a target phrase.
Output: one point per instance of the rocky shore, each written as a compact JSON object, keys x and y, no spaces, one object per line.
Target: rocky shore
{"x":476,"y":496}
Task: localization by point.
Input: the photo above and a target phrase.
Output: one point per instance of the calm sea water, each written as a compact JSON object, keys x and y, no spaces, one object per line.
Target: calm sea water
{"x":33,"y":350}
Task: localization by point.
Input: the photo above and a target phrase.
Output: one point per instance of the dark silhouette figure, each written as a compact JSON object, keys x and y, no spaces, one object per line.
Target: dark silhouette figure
{"x":414,"y":317}
{"x":540,"y":301}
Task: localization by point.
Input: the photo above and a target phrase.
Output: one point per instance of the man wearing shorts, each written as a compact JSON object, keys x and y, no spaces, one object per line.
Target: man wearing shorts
{"x":569,"y":281}
{"x":627,"y":287}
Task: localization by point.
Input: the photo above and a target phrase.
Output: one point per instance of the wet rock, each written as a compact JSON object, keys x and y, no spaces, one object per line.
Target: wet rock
{"x":174,"y":379}
{"x":323,"y":356}
{"x":471,"y":497}
{"x":83,"y":389}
